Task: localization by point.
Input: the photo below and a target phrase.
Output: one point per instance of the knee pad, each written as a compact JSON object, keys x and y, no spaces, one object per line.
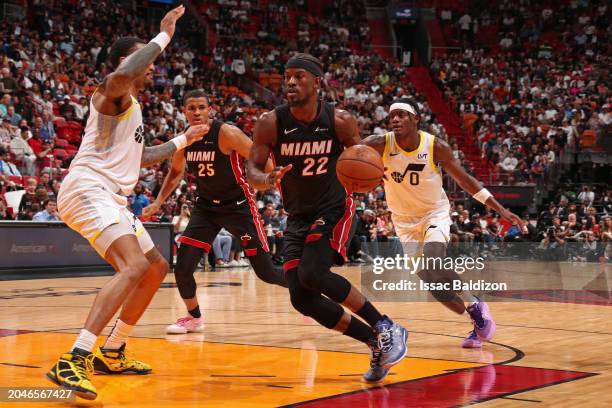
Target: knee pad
{"x":312,"y":304}
{"x":187,"y":261}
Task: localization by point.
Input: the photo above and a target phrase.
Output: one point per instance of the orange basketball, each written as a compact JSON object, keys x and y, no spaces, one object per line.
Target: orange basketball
{"x":360,"y":168}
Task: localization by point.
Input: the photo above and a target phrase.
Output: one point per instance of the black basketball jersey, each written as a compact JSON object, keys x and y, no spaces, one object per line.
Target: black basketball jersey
{"x":220,"y":178}
{"x":313,"y":148}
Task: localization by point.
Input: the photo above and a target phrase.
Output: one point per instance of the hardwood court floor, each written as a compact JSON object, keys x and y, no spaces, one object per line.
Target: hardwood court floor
{"x":256,"y":351}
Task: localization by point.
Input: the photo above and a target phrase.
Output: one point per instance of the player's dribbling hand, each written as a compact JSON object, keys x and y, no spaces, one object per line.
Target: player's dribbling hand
{"x":276,"y":175}
{"x":197,"y":132}
{"x":150,"y":210}
{"x":168,"y":23}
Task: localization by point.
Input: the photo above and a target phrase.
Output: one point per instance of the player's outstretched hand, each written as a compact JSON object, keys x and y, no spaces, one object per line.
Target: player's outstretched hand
{"x":150,"y":210}
{"x":168,"y":23}
{"x":197,"y":132}
{"x":513,"y":218}
{"x":275,"y":175}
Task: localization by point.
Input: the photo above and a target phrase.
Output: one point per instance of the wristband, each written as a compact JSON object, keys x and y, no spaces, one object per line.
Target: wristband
{"x":180,"y":142}
{"x":162,"y":39}
{"x":482,"y":195}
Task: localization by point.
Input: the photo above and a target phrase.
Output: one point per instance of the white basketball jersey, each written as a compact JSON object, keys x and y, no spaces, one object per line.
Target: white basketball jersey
{"x":414,"y":183}
{"x":112,"y":146}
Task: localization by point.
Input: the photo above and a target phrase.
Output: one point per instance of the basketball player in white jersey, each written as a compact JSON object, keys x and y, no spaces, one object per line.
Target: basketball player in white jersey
{"x":413,"y":161}
{"x":92,"y":202}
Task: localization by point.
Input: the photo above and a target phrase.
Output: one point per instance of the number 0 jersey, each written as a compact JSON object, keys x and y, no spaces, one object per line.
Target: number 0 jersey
{"x":414,"y":183}
{"x":220,"y":178}
{"x":311,"y":186}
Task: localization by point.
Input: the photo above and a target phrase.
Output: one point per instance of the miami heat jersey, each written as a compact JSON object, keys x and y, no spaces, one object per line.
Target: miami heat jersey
{"x":311,"y":186}
{"x":220,"y":178}
{"x":414,"y":183}
{"x":112,"y":146}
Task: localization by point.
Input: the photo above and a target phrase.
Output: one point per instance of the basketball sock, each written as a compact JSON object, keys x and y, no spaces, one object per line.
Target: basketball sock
{"x":358,"y":330}
{"x":195,"y":312}
{"x":85,"y":341}
{"x":369,"y":313}
{"x":118,"y":335}
{"x":468,"y":298}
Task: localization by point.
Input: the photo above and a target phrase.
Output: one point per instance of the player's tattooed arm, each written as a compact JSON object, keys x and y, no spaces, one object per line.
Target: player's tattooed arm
{"x":232,"y":138}
{"x":347,"y":129}
{"x":443,"y":155}
{"x":155,"y":154}
{"x":264,"y":138}
{"x":377,"y":142}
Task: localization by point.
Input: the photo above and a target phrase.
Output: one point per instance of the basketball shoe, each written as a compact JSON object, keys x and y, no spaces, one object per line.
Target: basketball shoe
{"x":484,"y":326}
{"x":187,"y":324}
{"x":392,"y":341}
{"x":472,"y":341}
{"x":71,"y":372}
{"x":114,"y":361}
{"x":377,"y":372}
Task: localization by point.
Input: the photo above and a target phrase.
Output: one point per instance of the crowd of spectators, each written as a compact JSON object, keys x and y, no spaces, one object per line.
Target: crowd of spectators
{"x":525,"y":109}
{"x":543,"y":87}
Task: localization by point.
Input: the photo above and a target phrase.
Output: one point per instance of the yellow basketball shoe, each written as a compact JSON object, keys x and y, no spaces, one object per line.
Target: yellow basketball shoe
{"x":71,"y":371}
{"x":114,"y":361}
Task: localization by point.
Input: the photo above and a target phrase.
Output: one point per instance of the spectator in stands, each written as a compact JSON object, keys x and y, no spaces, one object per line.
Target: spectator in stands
{"x":49,"y":213}
{"x":180,"y":221}
{"x":586,"y":196}
{"x":28,"y":199}
{"x":13,"y":117}
{"x":23,"y":152}
{"x":6,"y":167}
{"x":45,"y":127}
{"x":4,"y":213}
{"x":222,"y":245}
{"x":67,"y":110}
{"x":8,"y":84}
{"x":7,"y":132}
{"x":138,"y":200}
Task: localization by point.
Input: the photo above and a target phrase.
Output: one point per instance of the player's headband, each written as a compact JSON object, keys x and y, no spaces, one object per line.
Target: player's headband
{"x":308,"y":65}
{"x":403,"y":106}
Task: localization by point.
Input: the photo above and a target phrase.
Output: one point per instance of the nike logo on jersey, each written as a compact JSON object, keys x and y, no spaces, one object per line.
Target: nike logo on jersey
{"x":290,"y":131}
{"x":318,"y":129}
{"x":240,"y":202}
{"x":393,"y":154}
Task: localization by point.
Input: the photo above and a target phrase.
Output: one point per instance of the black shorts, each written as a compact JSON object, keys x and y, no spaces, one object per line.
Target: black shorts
{"x":242,"y":222}
{"x":336,"y":226}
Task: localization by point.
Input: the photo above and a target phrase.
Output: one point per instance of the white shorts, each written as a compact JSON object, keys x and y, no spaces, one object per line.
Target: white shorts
{"x":414,"y":232}
{"x":87,"y":204}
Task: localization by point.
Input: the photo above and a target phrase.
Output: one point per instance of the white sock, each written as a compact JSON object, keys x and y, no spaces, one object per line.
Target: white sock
{"x":119,"y":335}
{"x":468,"y":298}
{"x":86,"y":340}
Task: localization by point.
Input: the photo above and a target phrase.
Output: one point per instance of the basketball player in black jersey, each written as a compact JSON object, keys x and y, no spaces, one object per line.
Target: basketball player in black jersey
{"x":305,"y":138}
{"x":225,"y":200}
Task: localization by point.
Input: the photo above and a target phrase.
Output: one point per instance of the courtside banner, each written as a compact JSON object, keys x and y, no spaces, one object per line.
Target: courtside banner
{"x":30,"y":244}
{"x":551,"y":270}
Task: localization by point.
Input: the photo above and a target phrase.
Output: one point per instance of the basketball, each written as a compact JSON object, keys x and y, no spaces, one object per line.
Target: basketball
{"x":360,"y":168}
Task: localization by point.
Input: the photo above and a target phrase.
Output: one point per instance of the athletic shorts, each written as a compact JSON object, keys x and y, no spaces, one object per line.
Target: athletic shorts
{"x":336,"y":226}
{"x":87,"y":205}
{"x":241,"y":221}
{"x":414,"y":232}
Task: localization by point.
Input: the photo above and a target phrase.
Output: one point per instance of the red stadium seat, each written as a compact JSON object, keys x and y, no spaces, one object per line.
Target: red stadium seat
{"x":18,"y":180}
{"x":61,"y":143}
{"x":60,"y":154}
